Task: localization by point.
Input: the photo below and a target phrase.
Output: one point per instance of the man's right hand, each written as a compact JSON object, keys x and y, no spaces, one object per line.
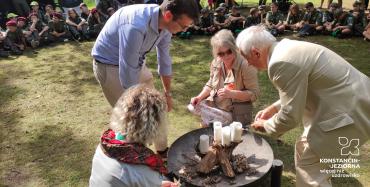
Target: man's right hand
{"x":266,"y":113}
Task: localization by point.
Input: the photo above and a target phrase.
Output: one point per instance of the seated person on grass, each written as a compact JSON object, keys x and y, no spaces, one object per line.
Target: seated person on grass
{"x":96,"y":22}
{"x":366,"y":33}
{"x":254,"y":18}
{"x":85,"y":12}
{"x":49,"y":10}
{"x":14,"y":40}
{"x":359,"y":19}
{"x":219,"y":19}
{"x":235,"y":20}
{"x":77,"y":25}
{"x":328,"y":18}
{"x":312,"y":21}
{"x":343,"y":24}
{"x":39,"y":31}
{"x":274,"y":20}
{"x":294,"y":18}
{"x":232,"y":85}
{"x":3,"y":52}
{"x":206,"y":22}
{"x":58,"y":31}
{"x":123,"y":157}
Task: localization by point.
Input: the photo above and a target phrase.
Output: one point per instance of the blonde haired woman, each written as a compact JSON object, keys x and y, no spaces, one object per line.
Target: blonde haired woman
{"x":122,"y":158}
{"x":232,"y":86}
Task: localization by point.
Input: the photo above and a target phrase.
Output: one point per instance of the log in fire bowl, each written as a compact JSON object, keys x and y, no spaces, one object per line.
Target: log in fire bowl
{"x":257,"y":151}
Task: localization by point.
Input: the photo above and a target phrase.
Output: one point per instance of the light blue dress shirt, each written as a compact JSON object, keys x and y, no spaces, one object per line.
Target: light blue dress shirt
{"x":128,"y":36}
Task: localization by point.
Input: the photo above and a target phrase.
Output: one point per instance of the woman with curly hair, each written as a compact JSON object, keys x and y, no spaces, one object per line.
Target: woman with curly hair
{"x":122,"y":158}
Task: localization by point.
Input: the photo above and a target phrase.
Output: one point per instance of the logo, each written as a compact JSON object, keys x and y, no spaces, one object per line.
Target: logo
{"x":349,"y":147}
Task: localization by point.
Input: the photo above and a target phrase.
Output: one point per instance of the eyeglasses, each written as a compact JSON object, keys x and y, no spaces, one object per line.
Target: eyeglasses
{"x":181,"y":26}
{"x":222,"y":54}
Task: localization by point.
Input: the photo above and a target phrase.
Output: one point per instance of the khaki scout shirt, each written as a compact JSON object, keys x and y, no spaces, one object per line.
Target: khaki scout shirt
{"x":243,"y":76}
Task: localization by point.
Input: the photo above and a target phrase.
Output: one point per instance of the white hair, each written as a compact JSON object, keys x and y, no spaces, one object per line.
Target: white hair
{"x":223,"y":38}
{"x":254,"y":37}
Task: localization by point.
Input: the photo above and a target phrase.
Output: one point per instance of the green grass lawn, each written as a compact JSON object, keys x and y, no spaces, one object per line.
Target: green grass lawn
{"x":52,"y":110}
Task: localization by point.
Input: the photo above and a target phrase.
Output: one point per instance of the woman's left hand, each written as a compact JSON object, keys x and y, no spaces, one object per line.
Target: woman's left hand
{"x":225,"y":93}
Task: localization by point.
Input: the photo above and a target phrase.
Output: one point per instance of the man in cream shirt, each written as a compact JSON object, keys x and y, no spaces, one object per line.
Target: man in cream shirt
{"x":319,"y":90}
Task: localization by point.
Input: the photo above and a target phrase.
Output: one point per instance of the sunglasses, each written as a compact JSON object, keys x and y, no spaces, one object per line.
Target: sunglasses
{"x":222,"y":54}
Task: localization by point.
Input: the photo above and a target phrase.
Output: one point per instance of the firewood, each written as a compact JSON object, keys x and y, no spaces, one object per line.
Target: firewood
{"x":225,"y":164}
{"x":208,"y":161}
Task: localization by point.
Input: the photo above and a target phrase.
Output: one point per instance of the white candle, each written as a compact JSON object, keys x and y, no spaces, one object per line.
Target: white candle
{"x":203,"y":143}
{"x":191,"y":108}
{"x":226,"y":136}
{"x":217,"y":132}
{"x":236,"y":131}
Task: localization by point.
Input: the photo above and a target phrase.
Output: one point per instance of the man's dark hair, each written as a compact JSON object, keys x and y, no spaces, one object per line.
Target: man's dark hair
{"x":181,"y":7}
{"x":275,"y":3}
{"x":308,"y":5}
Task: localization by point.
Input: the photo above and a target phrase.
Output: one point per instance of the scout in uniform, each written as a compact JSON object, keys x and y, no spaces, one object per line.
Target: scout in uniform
{"x":235,"y":20}
{"x":39,"y":31}
{"x":14,"y":38}
{"x":96,"y":22}
{"x":58,"y":29}
{"x":206,"y":22}
{"x":294,"y":18}
{"x":220,"y":18}
{"x":254,"y":18}
{"x":328,"y":18}
{"x":22,"y":25}
{"x":274,"y":20}
{"x":3,"y":52}
{"x":36,"y":9}
{"x":312,"y":20}
{"x":343,"y":22}
{"x":359,"y":19}
{"x":77,"y":26}
{"x":49,"y":10}
{"x":103,"y":6}
{"x":85,"y":12}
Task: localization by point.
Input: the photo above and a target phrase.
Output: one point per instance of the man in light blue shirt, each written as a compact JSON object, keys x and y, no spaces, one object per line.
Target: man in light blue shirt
{"x":133,"y":31}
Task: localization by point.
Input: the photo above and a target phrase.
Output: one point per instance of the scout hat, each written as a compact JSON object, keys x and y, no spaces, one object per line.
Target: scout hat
{"x":57,"y":15}
{"x":21,"y":19}
{"x":11,"y":23}
{"x":11,"y":15}
{"x":34,"y":3}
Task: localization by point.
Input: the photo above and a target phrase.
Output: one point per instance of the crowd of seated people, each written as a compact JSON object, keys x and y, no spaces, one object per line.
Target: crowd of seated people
{"x":49,"y":25}
{"x":333,"y":21}
{"x":46,"y":25}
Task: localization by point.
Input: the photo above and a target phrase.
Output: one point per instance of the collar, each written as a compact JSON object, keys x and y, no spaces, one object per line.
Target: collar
{"x":154,"y":21}
{"x":271,"y":50}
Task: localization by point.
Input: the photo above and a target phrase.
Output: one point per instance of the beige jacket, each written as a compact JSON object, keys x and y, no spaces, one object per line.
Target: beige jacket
{"x":322,"y":91}
{"x":243,"y":76}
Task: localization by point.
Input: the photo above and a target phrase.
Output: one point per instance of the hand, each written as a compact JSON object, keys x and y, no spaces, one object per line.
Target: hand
{"x":169,"y":184}
{"x":195,"y":100}
{"x":21,"y":47}
{"x":169,"y":103}
{"x":224,"y":93}
{"x":266,"y":113}
{"x":34,"y":20}
{"x":258,"y":125}
{"x":79,"y":27}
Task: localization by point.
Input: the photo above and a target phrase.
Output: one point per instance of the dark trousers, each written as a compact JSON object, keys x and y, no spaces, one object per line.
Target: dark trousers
{"x":79,"y":34}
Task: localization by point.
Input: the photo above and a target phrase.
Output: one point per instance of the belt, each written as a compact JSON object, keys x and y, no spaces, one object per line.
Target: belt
{"x":105,"y":63}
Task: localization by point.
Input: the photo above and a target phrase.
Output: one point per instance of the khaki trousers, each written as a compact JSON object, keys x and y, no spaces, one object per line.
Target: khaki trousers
{"x":308,"y":166}
{"x":108,"y":78}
